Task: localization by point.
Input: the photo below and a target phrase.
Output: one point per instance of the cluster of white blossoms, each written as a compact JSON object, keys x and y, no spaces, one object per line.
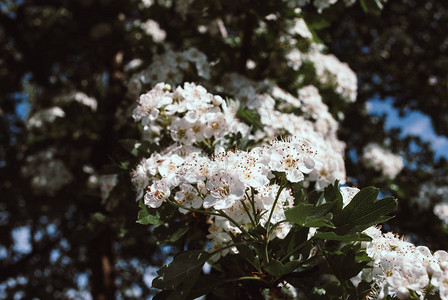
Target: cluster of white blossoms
{"x":441,"y":211}
{"x":170,"y":68}
{"x":401,"y":268}
{"x":44,"y":116}
{"x":298,"y":27}
{"x":152,"y":29}
{"x":334,"y":73}
{"x":49,"y":115}
{"x":236,"y":183}
{"x":379,"y":159}
{"x":279,"y":114}
{"x":430,"y":192}
{"x":329,"y":70}
{"x":189,"y":114}
{"x":48,"y":174}
{"x":79,"y":97}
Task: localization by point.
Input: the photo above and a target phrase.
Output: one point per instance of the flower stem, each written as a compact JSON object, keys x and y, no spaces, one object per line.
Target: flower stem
{"x":223,"y":214}
{"x":205,"y":212}
{"x":280,"y":189}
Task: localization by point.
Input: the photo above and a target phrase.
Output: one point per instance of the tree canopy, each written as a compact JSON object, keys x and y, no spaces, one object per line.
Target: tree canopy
{"x":72,"y":139}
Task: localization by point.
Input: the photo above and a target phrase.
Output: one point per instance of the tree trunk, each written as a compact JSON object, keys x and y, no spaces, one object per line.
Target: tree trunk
{"x":103,"y":268}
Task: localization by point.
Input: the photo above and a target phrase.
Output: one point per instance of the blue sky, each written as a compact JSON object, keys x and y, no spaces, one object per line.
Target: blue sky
{"x":413,"y":123}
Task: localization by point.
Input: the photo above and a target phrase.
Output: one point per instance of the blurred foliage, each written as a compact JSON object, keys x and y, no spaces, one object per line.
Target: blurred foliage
{"x":53,"y":47}
{"x":399,"y":54}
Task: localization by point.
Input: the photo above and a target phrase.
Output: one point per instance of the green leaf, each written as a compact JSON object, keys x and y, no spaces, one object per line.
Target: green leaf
{"x":181,"y":274}
{"x":145,"y":217}
{"x":99,"y":217}
{"x":331,"y":236}
{"x":163,"y":295}
{"x":259,"y":230}
{"x":344,"y":264}
{"x":364,"y":6}
{"x":359,"y":228}
{"x":320,"y":24}
{"x":298,"y":214}
{"x":290,"y":266}
{"x":170,"y":232}
{"x":244,"y":140}
{"x":250,"y":117}
{"x":277,"y":269}
{"x":247,"y":252}
{"x":205,"y":284}
{"x":131,"y":145}
{"x":364,"y":209}
{"x":372,"y":6}
{"x":333,"y":195}
{"x":307,"y":215}
{"x":296,"y":236}
{"x":314,"y":197}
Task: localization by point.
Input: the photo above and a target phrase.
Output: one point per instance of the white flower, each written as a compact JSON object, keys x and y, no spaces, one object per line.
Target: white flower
{"x":188,"y":197}
{"x":348,"y":193}
{"x":48,"y":115}
{"x":441,"y":211}
{"x":300,"y":28}
{"x":79,"y":97}
{"x":107,"y":184}
{"x":169,"y":167}
{"x":179,"y":128}
{"x":159,"y":191}
{"x":292,"y":158}
{"x":225,"y":188}
{"x":48,"y":174}
{"x":250,"y":167}
{"x":334,"y":73}
{"x":382,"y":160}
{"x":152,"y":28}
{"x":216,"y":126}
{"x":148,"y":109}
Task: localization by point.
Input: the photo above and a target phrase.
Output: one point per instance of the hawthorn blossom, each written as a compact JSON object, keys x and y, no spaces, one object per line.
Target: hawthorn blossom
{"x":158,"y":191}
{"x":188,"y":196}
{"x":292,"y":158}
{"x":379,"y":159}
{"x":225,"y":188}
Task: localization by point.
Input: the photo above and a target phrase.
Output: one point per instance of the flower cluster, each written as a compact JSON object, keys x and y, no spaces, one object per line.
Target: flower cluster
{"x":235,"y":184}
{"x":48,"y":174}
{"x":332,"y":72}
{"x":400,"y":268}
{"x":189,"y":114}
{"x":151,"y":28}
{"x":170,"y":68}
{"x":441,"y":211}
{"x":329,"y":70}
{"x":279,"y":114}
{"x":381,"y":160}
{"x":44,"y":116}
{"x":430,"y":192}
{"x":79,"y":97}
{"x":40,"y":118}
